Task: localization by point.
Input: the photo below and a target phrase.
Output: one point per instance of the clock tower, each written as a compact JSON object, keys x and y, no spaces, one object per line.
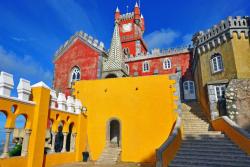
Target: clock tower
{"x":131,"y":27}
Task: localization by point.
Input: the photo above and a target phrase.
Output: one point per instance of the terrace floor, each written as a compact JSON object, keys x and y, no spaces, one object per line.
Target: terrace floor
{"x":90,"y":164}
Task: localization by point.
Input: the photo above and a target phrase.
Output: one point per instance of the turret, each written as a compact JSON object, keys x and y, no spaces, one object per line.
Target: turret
{"x":142,"y":23}
{"x":117,"y":13}
{"x":137,"y":13}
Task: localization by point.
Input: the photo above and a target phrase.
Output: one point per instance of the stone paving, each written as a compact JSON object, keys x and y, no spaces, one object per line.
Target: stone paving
{"x":81,"y":164}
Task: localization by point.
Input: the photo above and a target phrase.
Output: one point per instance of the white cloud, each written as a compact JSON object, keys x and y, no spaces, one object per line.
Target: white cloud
{"x":18,"y":39}
{"x":23,"y":66}
{"x":161,"y":38}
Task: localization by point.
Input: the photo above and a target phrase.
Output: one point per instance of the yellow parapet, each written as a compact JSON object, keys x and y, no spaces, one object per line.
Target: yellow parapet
{"x":37,"y":141}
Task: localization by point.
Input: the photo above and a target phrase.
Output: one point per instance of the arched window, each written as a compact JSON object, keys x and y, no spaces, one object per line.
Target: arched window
{"x":167,"y":64}
{"x":145,"y":66}
{"x":216,"y":63}
{"x":127,"y":67}
{"x":75,"y":74}
{"x":126,"y":51}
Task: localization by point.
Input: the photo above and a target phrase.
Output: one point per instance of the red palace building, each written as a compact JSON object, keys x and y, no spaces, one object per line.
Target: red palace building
{"x":81,"y":57}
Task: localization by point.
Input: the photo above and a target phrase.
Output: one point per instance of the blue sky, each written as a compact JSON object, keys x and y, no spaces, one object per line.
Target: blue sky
{"x":32,"y":30}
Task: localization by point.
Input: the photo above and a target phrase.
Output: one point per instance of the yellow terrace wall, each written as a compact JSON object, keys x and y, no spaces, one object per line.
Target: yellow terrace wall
{"x":143,"y":105}
{"x":38,"y":110}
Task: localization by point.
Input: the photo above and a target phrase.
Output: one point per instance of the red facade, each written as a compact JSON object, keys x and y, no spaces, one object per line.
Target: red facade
{"x":81,"y":55}
{"x":132,"y":26}
{"x":86,"y":55}
{"x":181,"y":60}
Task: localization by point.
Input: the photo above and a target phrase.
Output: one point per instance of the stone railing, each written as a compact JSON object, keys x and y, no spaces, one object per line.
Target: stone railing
{"x":220,"y":33}
{"x":168,"y":149}
{"x":69,"y":105}
{"x":155,"y":53}
{"x":238,"y":135}
{"x":82,"y":36}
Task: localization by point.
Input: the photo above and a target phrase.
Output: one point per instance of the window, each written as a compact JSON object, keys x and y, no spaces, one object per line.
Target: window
{"x":126,"y":51}
{"x":220,"y":91}
{"x":166,"y":64}
{"x":216,"y":63}
{"x":127,"y":67}
{"x":145,"y":66}
{"x":75,"y":75}
{"x":189,"y":85}
{"x":138,"y":47}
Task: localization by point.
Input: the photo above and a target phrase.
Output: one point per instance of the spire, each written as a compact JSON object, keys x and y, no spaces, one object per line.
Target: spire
{"x":116,"y":53}
{"x":117,"y":9}
{"x":115,"y":62}
{"x":136,"y":5}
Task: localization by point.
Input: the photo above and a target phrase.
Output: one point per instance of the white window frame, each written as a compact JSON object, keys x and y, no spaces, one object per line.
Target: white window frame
{"x":188,"y":83}
{"x":75,"y":70}
{"x":219,"y":91}
{"x":167,"y":64}
{"x":127,"y":67}
{"x":145,"y":66}
{"x":216,"y":63}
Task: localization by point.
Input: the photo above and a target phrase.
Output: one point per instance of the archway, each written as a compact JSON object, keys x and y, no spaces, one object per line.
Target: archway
{"x":114,"y":132}
{"x":111,"y":76}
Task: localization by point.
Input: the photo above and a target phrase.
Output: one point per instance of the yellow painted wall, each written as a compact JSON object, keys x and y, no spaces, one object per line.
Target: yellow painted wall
{"x":201,"y":91}
{"x":236,"y":59}
{"x":13,"y":162}
{"x":144,"y":106}
{"x":51,"y":160}
{"x":37,"y":114}
{"x":241,"y":48}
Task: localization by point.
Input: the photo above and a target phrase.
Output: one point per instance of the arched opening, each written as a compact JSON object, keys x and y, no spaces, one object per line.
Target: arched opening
{"x":114,"y":132}
{"x":75,"y":75}
{"x":69,"y":137}
{"x":59,"y":138}
{"x":3,"y":119}
{"x":18,"y":136}
{"x":111,"y":76}
{"x":48,"y":137}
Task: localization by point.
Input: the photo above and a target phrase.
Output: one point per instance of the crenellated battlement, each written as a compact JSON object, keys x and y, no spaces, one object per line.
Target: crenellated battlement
{"x":84,"y":37}
{"x":127,"y":16}
{"x":220,"y":33}
{"x":155,"y":53}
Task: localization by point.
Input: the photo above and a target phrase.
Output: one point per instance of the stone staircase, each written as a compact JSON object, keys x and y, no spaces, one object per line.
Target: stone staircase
{"x":203,"y":147}
{"x":110,"y":155}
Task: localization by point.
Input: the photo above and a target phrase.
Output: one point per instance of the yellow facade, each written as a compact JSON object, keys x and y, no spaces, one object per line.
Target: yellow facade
{"x":236,"y":59}
{"x":143,"y":105}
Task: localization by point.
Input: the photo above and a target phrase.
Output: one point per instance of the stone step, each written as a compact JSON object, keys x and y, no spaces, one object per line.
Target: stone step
{"x":199,"y":143}
{"x":202,"y":137}
{"x":209,"y":150}
{"x":202,"y":133}
{"x":109,"y":156}
{"x":208,"y":146}
{"x":194,"y":122}
{"x":197,"y":122}
{"x":212,"y":161}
